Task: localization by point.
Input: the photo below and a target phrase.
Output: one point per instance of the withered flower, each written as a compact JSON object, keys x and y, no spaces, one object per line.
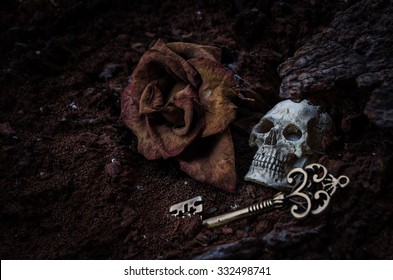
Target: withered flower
{"x":178,"y":104}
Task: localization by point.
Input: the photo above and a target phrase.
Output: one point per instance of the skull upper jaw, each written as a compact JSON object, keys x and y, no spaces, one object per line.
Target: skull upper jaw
{"x":261,"y":176}
{"x":270,"y":167}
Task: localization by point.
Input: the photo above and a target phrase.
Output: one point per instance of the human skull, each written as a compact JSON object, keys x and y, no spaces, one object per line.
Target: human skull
{"x":288,"y":136}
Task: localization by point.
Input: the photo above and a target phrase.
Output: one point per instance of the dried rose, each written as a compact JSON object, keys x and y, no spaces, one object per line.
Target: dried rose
{"x":178,"y":104}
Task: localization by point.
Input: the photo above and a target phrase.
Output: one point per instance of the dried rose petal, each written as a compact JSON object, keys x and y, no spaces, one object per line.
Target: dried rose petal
{"x":211,"y":160}
{"x":215,"y":93}
{"x":180,"y":97}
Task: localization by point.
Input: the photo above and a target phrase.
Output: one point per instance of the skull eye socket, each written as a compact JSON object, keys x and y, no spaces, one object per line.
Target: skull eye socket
{"x":265,"y":126}
{"x":292,"y":133}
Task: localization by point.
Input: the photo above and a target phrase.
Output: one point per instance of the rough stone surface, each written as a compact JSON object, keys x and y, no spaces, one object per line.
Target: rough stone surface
{"x":244,"y":249}
{"x":352,"y":56}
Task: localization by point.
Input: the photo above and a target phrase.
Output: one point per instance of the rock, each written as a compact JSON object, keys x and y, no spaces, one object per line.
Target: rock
{"x":87,"y":138}
{"x":352,"y":57}
{"x":44,"y":175}
{"x":192,"y":227}
{"x":131,"y":236}
{"x":150,"y":34}
{"x":104,"y":140}
{"x":110,"y":70}
{"x":227,"y":230}
{"x":247,"y":248}
{"x":6,"y":130}
{"x":128,"y":216}
{"x":139,"y":47}
{"x":261,"y":226}
{"x":72,"y":105}
{"x":211,"y":210}
{"x":240,"y":234}
{"x":379,"y":108}
{"x":202,"y":239}
{"x":285,"y":235}
{"x":123,"y":39}
{"x":112,"y":170}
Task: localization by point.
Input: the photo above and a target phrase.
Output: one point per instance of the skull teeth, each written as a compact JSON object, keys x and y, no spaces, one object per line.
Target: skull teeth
{"x":268,"y":162}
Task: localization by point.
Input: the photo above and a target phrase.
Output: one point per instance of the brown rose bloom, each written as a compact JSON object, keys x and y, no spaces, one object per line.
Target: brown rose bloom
{"x":178,"y":104}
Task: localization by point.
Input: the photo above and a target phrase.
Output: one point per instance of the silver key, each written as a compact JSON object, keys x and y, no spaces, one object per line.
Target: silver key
{"x":312,"y":189}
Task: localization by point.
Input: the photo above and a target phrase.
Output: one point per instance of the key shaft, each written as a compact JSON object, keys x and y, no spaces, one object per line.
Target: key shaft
{"x":266,"y":205}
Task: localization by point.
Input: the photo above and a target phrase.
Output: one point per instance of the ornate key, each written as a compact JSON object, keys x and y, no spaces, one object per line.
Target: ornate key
{"x":312,"y":189}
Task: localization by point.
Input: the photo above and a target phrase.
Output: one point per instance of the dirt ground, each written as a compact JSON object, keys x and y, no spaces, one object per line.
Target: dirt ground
{"x":72,"y":184}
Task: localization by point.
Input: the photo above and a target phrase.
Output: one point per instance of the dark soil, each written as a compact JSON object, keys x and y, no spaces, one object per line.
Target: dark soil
{"x":72,"y":185}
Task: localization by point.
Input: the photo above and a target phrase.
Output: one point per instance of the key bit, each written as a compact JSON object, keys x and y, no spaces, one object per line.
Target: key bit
{"x":312,"y":189}
{"x":187,"y":208}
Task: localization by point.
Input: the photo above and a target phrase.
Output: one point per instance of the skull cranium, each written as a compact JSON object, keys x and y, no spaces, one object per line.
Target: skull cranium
{"x":288,"y":136}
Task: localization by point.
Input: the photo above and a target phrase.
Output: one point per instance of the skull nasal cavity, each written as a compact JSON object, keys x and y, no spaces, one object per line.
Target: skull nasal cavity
{"x":292,"y":133}
{"x":271,"y":139}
